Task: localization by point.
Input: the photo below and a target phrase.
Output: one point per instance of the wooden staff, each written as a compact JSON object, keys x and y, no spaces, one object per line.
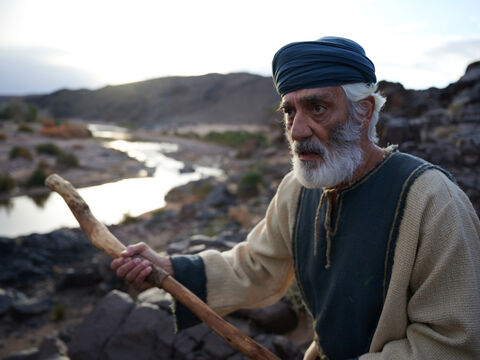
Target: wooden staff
{"x":103,"y":239}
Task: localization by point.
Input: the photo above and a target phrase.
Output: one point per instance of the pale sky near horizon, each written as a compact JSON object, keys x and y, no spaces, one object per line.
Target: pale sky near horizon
{"x":46,"y":45}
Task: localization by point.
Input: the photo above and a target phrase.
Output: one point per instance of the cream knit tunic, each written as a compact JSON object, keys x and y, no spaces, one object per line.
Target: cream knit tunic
{"x":432,"y":308}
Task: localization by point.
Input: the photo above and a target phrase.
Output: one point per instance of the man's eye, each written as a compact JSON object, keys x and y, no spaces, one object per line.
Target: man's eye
{"x":288,"y":112}
{"x":318,"y":108}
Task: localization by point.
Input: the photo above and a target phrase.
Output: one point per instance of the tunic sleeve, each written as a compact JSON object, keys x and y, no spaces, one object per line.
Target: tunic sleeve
{"x":442,"y":282}
{"x":256,"y":272}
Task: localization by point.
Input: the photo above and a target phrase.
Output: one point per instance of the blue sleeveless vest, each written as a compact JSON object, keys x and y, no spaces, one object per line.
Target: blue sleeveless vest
{"x":343,"y":260}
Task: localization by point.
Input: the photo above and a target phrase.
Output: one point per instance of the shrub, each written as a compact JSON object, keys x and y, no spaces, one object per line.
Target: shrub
{"x":14,"y":110}
{"x":159,"y":212}
{"x":202,"y":190}
{"x":128,"y":219}
{"x":234,"y":139}
{"x":31,"y":114}
{"x":25,"y":128}
{"x":66,"y":159}
{"x":5,"y":113}
{"x":40,"y":199}
{"x":250,"y":184}
{"x":42,"y":164}
{"x":7,"y":183}
{"x":19,"y":151}
{"x":59,"y":313}
{"x":48,"y":122}
{"x":250,"y":179}
{"x":66,"y":131}
{"x":48,"y":149}
{"x":216,"y":226}
{"x":37,"y":178}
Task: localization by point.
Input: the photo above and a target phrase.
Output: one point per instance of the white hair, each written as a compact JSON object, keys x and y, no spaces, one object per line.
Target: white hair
{"x":355,"y":94}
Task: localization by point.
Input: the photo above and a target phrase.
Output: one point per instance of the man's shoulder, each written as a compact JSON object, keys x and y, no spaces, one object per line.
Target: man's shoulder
{"x":418,"y":165}
{"x":429,"y":185}
{"x":436,"y":179}
{"x":434,"y":186}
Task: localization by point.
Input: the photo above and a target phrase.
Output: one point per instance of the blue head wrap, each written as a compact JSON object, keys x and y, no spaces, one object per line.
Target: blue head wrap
{"x":329,"y":61}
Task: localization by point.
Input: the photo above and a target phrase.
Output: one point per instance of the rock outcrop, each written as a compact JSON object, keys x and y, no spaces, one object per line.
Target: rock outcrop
{"x":439,"y":125}
{"x":118,"y":328}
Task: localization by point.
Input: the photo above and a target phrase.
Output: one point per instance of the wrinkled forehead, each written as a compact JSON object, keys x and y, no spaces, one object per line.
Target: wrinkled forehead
{"x":333,"y":94}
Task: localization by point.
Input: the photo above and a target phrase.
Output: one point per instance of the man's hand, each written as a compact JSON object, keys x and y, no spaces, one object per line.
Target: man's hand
{"x":134,"y":271}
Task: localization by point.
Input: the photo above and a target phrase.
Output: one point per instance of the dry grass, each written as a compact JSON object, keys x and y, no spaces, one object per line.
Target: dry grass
{"x":65,"y":131}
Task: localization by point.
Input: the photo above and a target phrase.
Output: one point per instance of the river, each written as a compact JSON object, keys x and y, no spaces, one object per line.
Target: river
{"x":109,"y":202}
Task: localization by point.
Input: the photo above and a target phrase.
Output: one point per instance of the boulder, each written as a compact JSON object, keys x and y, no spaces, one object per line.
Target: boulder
{"x":74,"y":277}
{"x":52,"y":348}
{"x":27,"y":354}
{"x":92,"y":335}
{"x":120,"y":329}
{"x":28,"y":259}
{"x":156,"y":296}
{"x":207,"y":242}
{"x":217,"y":348}
{"x":178,"y":247}
{"x":220,"y":196}
{"x":183,"y":347}
{"x":280,"y":346}
{"x":26,"y":308}
{"x":187,"y":168}
{"x":146,"y":328}
{"x":6,"y":301}
{"x":395,"y":130}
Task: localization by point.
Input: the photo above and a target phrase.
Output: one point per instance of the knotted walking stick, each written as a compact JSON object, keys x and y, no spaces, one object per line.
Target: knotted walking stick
{"x":103,"y":239}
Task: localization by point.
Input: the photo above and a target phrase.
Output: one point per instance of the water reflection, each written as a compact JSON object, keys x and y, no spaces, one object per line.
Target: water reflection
{"x":108,"y":202}
{"x":108,"y":131}
{"x":6,"y":204}
{"x":40,"y":199}
{"x":152,"y":154}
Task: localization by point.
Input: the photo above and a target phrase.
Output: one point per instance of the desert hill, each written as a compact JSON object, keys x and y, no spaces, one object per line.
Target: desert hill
{"x":208,"y":99}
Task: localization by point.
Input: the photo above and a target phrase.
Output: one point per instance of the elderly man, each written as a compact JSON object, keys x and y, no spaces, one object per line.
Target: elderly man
{"x":384,"y":246}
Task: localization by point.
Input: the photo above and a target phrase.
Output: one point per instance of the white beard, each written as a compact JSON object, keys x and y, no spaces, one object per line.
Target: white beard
{"x":338,"y":161}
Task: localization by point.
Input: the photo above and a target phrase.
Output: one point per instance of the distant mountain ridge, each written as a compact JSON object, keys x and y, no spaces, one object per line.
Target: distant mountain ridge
{"x":233,"y":99}
{"x":208,"y":99}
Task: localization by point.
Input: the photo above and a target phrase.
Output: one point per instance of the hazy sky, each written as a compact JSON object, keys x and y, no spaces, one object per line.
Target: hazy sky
{"x":46,"y":45}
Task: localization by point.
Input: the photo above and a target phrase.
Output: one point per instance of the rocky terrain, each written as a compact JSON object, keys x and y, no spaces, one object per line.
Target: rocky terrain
{"x":52,"y":281}
{"x":439,"y":125}
{"x":59,"y":299}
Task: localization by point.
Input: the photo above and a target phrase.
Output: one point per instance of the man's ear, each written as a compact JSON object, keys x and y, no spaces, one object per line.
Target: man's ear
{"x":368,"y":107}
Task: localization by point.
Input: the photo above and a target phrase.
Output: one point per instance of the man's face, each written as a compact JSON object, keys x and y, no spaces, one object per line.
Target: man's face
{"x":324,"y":139}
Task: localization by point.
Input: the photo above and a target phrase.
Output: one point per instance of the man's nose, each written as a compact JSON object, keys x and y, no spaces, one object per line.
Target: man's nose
{"x":300,"y":128}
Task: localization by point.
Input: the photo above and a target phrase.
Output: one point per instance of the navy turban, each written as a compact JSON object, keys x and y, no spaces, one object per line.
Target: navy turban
{"x":329,"y":61}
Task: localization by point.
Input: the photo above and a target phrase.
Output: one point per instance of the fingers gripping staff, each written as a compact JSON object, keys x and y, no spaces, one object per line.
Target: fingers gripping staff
{"x":103,"y":239}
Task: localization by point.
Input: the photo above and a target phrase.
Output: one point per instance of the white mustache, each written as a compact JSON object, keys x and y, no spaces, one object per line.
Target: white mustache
{"x":309,"y":146}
